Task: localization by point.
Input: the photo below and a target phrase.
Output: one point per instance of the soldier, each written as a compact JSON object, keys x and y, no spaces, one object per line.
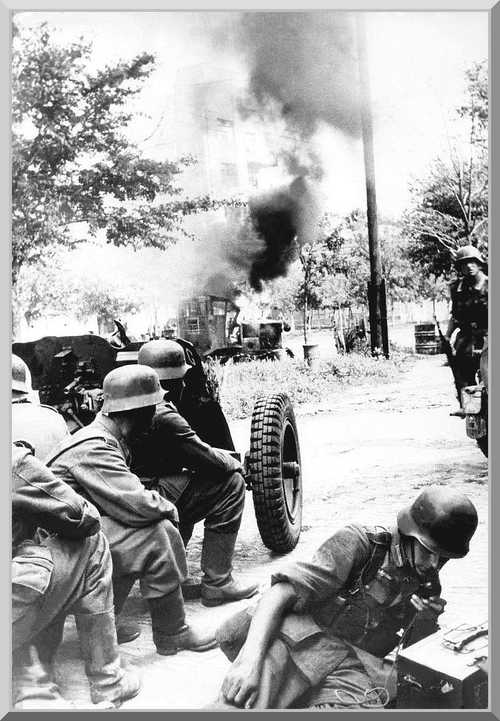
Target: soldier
{"x":139,"y":524}
{"x":319,"y":635}
{"x":469,"y":314}
{"x":212,"y":488}
{"x":42,"y":426}
{"x":63,"y":567}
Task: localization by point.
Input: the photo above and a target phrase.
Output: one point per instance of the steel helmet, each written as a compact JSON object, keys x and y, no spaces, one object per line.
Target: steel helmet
{"x":130,"y":387}
{"x":166,"y":357}
{"x":468,"y":252}
{"x":21,"y":376}
{"x":442,"y":520}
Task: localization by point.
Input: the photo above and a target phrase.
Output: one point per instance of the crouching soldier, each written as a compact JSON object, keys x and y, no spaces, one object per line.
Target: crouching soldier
{"x":61,"y":565}
{"x":139,"y":524}
{"x":319,"y":635}
{"x":205,"y":483}
{"x":39,"y":424}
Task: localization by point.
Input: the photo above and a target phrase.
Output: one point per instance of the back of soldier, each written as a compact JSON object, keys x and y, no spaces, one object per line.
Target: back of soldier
{"x":40,"y":426}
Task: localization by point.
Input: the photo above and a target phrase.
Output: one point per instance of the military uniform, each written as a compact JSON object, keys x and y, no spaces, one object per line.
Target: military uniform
{"x":42,"y":426}
{"x":469,"y":312}
{"x":211,"y":488}
{"x":137,"y":523}
{"x":351,"y":603}
{"x":61,"y":564}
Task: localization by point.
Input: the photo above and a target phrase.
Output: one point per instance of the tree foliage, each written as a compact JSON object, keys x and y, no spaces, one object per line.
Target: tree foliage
{"x":71,"y":160}
{"x":451,"y":203}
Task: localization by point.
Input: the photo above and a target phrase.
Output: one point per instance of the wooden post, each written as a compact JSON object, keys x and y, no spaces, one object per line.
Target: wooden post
{"x":378,"y":333}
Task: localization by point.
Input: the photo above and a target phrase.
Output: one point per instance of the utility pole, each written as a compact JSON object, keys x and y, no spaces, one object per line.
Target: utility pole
{"x":379,"y":336}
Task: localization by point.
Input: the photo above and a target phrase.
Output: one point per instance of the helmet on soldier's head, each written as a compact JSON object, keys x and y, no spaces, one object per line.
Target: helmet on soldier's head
{"x":468,"y":252}
{"x":442,"y":520}
{"x":130,"y":387}
{"x":21,"y":377}
{"x":166,"y":357}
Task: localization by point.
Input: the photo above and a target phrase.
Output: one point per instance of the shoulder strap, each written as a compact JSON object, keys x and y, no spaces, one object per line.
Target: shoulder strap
{"x":380,"y":541}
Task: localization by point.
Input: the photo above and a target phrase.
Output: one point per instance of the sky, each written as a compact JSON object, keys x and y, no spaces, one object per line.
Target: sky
{"x":416,"y":63}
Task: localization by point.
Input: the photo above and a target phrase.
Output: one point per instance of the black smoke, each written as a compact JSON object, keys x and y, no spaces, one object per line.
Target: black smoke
{"x":282,"y":220}
{"x":304,"y":63}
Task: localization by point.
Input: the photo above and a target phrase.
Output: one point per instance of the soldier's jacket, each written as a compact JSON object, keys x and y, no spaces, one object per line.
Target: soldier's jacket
{"x":319,"y":630}
{"x":40,"y":499}
{"x":469,"y":306}
{"x":94,"y":462}
{"x":40,"y":425}
{"x":172,"y":445}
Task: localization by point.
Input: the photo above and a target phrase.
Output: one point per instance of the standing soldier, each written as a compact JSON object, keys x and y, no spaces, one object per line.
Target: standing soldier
{"x":469,"y":315}
{"x":60,"y":565}
{"x":204,"y":482}
{"x":139,"y":524}
{"x":319,"y":635}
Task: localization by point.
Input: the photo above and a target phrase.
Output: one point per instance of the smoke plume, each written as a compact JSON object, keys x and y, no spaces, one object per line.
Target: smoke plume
{"x":283,"y":220}
{"x":305,"y":63}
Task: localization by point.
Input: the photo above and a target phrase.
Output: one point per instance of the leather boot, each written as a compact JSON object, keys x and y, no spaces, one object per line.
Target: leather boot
{"x":170,"y":631}
{"x":218,"y":586}
{"x":32,"y":686}
{"x":99,"y":648}
{"x":125,"y":631}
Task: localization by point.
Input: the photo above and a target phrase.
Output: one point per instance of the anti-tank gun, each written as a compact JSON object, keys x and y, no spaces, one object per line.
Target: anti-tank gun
{"x":68,"y":372}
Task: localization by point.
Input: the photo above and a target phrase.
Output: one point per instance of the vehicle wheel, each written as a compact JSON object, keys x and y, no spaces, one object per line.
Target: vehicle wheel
{"x":275,"y":472}
{"x":483,"y":444}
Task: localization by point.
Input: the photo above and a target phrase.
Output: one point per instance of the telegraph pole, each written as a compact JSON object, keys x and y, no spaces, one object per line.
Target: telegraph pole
{"x":379,"y":336}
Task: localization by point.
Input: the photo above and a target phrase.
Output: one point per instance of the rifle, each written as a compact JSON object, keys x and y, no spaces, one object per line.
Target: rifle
{"x":451,"y":358}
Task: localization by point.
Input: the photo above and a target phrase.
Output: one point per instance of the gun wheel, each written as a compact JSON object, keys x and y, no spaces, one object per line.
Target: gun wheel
{"x":275,"y":472}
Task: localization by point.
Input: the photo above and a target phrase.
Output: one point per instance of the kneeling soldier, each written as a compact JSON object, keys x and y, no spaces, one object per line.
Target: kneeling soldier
{"x":318,"y":637}
{"x":61,"y":565}
{"x":205,"y":483}
{"x":139,"y":524}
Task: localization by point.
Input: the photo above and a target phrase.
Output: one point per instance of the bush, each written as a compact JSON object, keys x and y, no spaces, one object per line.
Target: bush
{"x":243,"y":383}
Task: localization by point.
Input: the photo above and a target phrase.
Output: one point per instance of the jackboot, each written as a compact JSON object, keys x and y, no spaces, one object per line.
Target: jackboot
{"x":32,"y":686}
{"x":126,"y":631}
{"x":170,"y":631}
{"x":218,"y":585}
{"x":99,"y":648}
{"x":47,"y":642}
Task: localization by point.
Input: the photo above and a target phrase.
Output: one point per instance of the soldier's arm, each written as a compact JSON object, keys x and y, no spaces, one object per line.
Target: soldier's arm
{"x":38,"y":494}
{"x":175,"y":432}
{"x":117,"y":491}
{"x":241,"y":683}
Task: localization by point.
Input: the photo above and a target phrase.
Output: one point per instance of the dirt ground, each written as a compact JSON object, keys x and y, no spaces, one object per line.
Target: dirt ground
{"x":365,"y":453}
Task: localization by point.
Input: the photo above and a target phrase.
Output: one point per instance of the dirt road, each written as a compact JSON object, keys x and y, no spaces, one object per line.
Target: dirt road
{"x":365,"y":454}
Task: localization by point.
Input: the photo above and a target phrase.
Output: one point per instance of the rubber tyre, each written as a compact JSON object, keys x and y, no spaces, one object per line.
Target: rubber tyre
{"x":483,"y":445}
{"x":277,"y":492}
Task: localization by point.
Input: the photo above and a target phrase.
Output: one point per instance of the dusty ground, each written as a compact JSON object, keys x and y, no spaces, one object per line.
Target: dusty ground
{"x":365,"y":453}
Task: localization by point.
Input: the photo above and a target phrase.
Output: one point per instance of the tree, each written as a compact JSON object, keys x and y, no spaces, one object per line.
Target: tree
{"x":319,"y":260}
{"x":71,"y":161}
{"x":106,"y":303}
{"x":451,"y":203}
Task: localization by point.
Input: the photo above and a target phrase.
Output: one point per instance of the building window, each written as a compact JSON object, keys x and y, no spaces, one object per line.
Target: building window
{"x":229,"y":174}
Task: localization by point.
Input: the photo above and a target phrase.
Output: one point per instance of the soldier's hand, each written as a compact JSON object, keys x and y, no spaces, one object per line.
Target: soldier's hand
{"x":434,"y":604}
{"x":241,"y":683}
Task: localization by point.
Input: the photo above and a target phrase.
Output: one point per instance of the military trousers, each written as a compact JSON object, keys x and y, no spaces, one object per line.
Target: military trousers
{"x":219,"y":501}
{"x":154,"y":554}
{"x":56,"y":577}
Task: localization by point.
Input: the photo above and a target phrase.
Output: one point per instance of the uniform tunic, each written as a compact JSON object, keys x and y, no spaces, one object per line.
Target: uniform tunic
{"x":325,"y":648}
{"x":469,"y":310}
{"x":201,"y":480}
{"x":144,"y":543}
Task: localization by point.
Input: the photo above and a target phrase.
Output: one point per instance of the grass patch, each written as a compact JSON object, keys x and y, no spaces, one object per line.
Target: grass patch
{"x":243,"y":383}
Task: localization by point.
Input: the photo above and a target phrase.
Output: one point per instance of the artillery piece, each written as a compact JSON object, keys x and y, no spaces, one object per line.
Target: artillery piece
{"x":67,"y":372}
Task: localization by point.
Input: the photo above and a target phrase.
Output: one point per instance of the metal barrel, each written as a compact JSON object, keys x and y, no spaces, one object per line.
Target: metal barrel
{"x":426,"y":340}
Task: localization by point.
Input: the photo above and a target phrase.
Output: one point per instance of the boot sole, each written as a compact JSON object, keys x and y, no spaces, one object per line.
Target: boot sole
{"x":198,"y":649}
{"x":210,"y":602}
